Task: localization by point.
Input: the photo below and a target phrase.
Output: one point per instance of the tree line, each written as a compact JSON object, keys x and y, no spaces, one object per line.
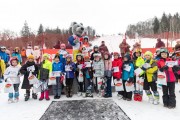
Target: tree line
{"x":49,"y":36}
{"x":157,"y":27}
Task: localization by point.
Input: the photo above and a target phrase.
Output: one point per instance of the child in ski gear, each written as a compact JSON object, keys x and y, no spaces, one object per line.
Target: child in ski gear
{"x":2,"y":69}
{"x":79,"y":73}
{"x":98,"y":68}
{"x":127,"y":77}
{"x":17,"y":54}
{"x":57,"y":66}
{"x":138,"y":62}
{"x":169,"y":97}
{"x":69,"y":70}
{"x":44,"y":71}
{"x":117,"y":69}
{"x":150,"y":68}
{"x":62,"y":54}
{"x":26,"y":69}
{"x":108,"y":73}
{"x":85,"y":47}
{"x":12,"y":77}
{"x":4,"y":55}
{"x":96,"y":50}
{"x":88,"y":76}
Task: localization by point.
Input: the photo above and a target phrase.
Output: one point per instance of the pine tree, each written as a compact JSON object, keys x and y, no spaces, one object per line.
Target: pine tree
{"x":41,"y":29}
{"x":25,"y":32}
{"x":164,"y":23}
{"x":156,"y":25}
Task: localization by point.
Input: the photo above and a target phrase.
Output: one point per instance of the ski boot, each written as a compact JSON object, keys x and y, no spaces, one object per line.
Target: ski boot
{"x":34,"y":96}
{"x":42,"y":96}
{"x":26,"y":97}
{"x":10,"y":100}
{"x":139,"y":98}
{"x":135,"y":97}
{"x":47,"y":95}
{"x":16,"y":100}
{"x":151,"y":99}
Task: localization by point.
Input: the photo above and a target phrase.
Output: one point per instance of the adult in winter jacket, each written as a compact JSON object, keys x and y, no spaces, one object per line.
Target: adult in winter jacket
{"x":17,"y":54}
{"x":3,"y":54}
{"x":37,"y":54}
{"x":160,"y":44}
{"x":28,"y":68}
{"x":150,"y":85}
{"x":44,"y":71}
{"x":69,"y":70}
{"x":23,"y":55}
{"x":127,"y":77}
{"x":169,"y":97}
{"x":124,"y":48}
{"x":103,"y":48}
{"x":108,"y":74}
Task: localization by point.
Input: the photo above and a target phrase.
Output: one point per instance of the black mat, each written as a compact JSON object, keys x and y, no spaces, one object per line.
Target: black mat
{"x":94,"y":109}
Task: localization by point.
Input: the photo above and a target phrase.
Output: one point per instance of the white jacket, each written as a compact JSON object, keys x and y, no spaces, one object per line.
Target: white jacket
{"x":11,"y":74}
{"x":37,"y":54}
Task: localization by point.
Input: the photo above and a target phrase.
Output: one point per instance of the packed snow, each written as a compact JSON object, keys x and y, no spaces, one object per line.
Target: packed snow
{"x":34,"y":109}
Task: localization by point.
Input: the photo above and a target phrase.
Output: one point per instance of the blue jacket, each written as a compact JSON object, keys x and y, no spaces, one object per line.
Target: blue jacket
{"x":62,"y":59}
{"x":70,"y":74}
{"x":18,"y":56}
{"x":4,"y":56}
{"x":71,"y":41}
{"x":126,"y":75}
{"x":57,"y":66}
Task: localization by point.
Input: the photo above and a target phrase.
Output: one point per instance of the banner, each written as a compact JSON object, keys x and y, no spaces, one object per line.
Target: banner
{"x":53,"y":52}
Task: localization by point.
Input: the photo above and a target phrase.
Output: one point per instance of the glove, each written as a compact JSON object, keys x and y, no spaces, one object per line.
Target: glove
{"x":164,"y":68}
{"x":130,"y":80}
{"x":176,"y":68}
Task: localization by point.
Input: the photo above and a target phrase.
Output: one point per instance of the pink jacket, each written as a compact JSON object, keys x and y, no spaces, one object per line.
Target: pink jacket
{"x":108,"y":64}
{"x":170,"y":77}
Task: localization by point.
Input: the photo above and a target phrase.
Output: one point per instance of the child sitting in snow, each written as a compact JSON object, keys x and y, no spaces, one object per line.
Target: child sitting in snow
{"x":12,"y":77}
{"x":69,"y":70}
{"x":150,"y":68}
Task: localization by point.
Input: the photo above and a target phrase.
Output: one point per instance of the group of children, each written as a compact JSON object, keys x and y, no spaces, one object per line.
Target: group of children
{"x":94,"y":73}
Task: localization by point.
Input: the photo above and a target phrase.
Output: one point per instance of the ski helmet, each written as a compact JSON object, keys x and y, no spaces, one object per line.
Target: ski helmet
{"x":79,"y":54}
{"x":14,"y":58}
{"x":127,"y":56}
{"x":86,"y":37}
{"x":97,"y":55}
{"x":69,"y":56}
{"x":163,"y":50}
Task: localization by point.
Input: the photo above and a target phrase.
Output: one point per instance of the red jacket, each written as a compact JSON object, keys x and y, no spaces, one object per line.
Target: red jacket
{"x":117,"y":63}
{"x":169,"y":73}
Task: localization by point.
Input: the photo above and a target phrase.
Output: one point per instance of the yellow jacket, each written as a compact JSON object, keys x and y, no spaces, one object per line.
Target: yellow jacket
{"x":139,"y":62}
{"x":2,"y":67}
{"x":150,"y":73}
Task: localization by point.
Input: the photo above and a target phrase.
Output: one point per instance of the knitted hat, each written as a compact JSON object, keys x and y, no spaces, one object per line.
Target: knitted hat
{"x":148,"y":53}
{"x":30,"y":57}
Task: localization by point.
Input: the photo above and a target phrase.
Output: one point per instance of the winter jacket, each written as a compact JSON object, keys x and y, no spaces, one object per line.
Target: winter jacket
{"x":2,"y":68}
{"x":123,"y":48}
{"x":92,"y":55}
{"x":151,"y":73}
{"x":29,"y":51}
{"x":102,"y":49}
{"x":25,"y":70}
{"x":4,"y":56}
{"x":57,"y":66}
{"x":170,"y":77}
{"x":18,"y":55}
{"x":108,"y":68}
{"x":160,"y":44}
{"x":62,"y":54}
{"x":45,"y":69}
{"x":98,"y":67}
{"x":128,"y":74}
{"x":117,"y":63}
{"x":77,"y":69}
{"x":70,"y":74}
{"x":37,"y":54}
{"x":138,"y":62}
{"x":11,"y":74}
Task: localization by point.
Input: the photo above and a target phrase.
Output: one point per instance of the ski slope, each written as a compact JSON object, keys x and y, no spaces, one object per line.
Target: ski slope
{"x":34,"y":109}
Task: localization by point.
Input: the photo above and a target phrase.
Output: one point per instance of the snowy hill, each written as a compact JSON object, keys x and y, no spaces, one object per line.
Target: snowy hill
{"x":34,"y":109}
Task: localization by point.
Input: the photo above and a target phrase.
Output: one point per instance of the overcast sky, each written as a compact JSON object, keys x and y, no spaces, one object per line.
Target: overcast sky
{"x":106,"y":16}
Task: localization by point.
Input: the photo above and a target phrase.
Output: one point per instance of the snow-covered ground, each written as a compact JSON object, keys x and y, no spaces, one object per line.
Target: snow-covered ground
{"x":34,"y":109}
